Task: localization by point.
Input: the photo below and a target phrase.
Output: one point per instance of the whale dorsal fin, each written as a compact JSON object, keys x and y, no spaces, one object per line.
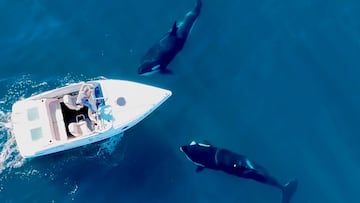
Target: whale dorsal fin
{"x":174,"y":29}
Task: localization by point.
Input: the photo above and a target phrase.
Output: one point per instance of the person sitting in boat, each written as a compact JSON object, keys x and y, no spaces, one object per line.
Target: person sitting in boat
{"x":85,"y":93}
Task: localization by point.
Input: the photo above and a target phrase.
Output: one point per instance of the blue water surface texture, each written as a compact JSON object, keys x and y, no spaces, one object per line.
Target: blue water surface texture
{"x":277,"y":81}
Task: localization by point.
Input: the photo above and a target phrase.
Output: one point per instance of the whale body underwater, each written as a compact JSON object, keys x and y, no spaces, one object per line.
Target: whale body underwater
{"x":205,"y":155}
{"x":158,"y":57}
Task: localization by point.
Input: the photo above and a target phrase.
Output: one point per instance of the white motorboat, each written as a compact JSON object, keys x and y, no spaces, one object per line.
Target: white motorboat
{"x":80,"y":114}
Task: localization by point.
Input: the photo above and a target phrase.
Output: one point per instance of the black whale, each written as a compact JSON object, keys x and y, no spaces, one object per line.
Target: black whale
{"x":158,"y":57}
{"x":208,"y":156}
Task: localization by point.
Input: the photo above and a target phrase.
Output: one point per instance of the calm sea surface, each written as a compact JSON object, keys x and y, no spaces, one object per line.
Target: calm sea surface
{"x":277,"y":81}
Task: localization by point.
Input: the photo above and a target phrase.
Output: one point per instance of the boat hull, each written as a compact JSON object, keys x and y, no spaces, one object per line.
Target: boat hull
{"x":41,"y":125}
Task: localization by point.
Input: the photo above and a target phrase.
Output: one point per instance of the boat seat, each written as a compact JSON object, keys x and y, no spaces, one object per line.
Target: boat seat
{"x":69,"y":101}
{"x":79,"y":128}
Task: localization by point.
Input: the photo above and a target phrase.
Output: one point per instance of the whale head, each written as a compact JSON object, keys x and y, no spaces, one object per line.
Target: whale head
{"x":195,"y":152}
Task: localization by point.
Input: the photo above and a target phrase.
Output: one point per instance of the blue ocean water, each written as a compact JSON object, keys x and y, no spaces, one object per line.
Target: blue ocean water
{"x":277,"y":81}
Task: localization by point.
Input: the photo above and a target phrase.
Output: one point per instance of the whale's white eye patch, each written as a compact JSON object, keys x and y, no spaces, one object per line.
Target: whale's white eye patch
{"x":203,"y":145}
{"x":248,"y":162}
{"x":192,"y":143}
{"x":155,"y":67}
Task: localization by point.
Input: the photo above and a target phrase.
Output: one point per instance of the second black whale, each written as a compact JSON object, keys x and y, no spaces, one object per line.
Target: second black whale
{"x":158,"y":57}
{"x":205,"y":155}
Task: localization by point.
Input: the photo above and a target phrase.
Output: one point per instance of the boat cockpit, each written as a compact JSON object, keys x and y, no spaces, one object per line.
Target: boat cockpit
{"x":83,"y":110}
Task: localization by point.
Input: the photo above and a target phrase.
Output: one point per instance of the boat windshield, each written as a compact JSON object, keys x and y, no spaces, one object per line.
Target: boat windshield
{"x":104,"y":110}
{"x":98,"y":96}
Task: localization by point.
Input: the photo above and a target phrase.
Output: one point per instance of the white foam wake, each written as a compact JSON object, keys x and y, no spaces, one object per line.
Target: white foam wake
{"x":9,"y":155}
